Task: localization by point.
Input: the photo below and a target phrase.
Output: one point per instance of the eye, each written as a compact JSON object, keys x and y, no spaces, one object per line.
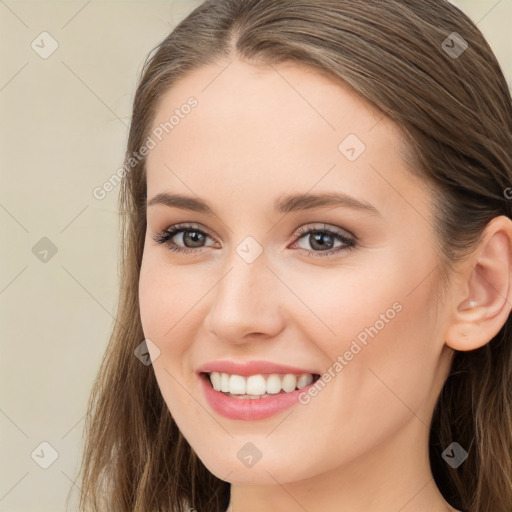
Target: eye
{"x":322,"y":240}
{"x":188,"y":235}
{"x":186,"y":239}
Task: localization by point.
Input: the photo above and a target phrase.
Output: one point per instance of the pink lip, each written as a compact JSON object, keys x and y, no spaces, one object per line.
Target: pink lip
{"x":248,"y":409}
{"x":251,"y":368}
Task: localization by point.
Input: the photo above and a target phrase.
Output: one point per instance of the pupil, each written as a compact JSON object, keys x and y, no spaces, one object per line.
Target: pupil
{"x":194,"y":237}
{"x":317,"y":240}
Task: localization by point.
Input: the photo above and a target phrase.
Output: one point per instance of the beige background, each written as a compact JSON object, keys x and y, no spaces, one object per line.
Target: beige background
{"x":63,"y":130}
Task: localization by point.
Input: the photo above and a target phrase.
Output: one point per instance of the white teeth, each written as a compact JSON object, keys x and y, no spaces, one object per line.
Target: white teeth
{"x":273,"y":384}
{"x":224,"y":382}
{"x":237,"y":385}
{"x":289,"y":383}
{"x":304,"y":380}
{"x":258,"y":386}
{"x":216,"y":380}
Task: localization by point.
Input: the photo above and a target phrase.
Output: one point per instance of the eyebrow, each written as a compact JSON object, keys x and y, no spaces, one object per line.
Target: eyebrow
{"x":284,"y":204}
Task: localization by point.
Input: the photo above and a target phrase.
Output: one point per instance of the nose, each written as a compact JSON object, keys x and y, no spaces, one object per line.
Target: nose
{"x":246,"y":303}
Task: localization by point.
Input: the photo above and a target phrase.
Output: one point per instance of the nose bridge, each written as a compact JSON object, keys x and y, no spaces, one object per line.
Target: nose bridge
{"x":248,"y":276}
{"x":247,"y":285}
{"x":246,"y":300}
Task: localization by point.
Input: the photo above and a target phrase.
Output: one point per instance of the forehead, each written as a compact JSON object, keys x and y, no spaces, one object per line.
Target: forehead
{"x":255,"y":129}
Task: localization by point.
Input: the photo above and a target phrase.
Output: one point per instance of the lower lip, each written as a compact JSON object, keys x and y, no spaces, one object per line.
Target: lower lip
{"x":248,"y":409}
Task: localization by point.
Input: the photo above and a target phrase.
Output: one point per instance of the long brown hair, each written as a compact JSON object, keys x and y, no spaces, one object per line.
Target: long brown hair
{"x":455,"y":112}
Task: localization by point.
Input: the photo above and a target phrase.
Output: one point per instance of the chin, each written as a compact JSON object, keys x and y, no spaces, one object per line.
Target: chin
{"x":261,"y":473}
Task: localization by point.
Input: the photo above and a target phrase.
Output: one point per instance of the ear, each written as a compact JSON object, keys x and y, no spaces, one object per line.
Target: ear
{"x":482,"y":297}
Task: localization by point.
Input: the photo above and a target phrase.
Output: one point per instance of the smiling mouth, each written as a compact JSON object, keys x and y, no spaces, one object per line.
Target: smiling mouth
{"x":258,"y":385}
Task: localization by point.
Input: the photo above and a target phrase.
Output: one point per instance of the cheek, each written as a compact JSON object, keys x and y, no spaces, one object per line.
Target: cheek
{"x":378,"y":330}
{"x":172,"y":310}
{"x":152,"y":299}
{"x":397,"y":352}
{"x":166,"y":295}
{"x":372,"y":297}
{"x":166,"y":309}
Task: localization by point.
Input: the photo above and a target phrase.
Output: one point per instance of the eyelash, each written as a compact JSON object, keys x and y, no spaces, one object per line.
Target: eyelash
{"x":165,"y":236}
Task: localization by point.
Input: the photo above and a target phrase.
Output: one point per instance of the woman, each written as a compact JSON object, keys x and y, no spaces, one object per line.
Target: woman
{"x":330,"y":329}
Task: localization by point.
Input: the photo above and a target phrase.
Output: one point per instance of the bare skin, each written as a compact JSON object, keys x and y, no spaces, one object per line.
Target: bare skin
{"x":361,"y":444}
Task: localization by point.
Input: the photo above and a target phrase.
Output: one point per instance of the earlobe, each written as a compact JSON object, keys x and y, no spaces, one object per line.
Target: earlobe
{"x":483,"y":297}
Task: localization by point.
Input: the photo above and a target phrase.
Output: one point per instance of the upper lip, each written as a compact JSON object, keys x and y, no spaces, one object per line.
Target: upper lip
{"x":251,"y":368}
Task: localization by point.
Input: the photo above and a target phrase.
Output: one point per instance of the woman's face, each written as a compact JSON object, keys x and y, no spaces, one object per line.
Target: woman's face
{"x":341,"y":289}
